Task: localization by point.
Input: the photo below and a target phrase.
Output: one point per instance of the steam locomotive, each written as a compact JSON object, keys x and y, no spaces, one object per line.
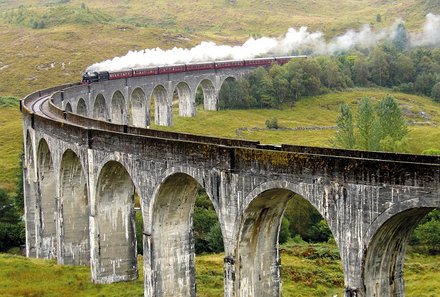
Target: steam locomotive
{"x":90,"y":77}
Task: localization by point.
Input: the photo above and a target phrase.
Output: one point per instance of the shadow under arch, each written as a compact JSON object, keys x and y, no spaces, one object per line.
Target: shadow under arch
{"x":228,"y":95}
{"x":30,"y":195}
{"x":209,"y":94}
{"x":159,"y":106}
{"x":74,"y":211}
{"x":138,"y":111}
{"x":186,"y":101}
{"x":171,"y":243}
{"x":68,"y":107}
{"x":386,"y":242}
{"x":117,"y":108}
{"x":115,"y":225}
{"x":81,"y":107}
{"x":48,"y":210}
{"x":100,"y":108}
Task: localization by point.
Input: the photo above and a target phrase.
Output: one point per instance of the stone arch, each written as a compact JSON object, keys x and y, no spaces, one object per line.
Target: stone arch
{"x":30,"y":195}
{"x":115,"y":225}
{"x":138,"y":108}
{"x":171,"y":241}
{"x":259,"y":266}
{"x":81,"y":107}
{"x":257,"y":258}
{"x":187,"y":102}
{"x":100,"y":108}
{"x":68,"y":107}
{"x":118,"y":108}
{"x":48,"y":206}
{"x":162,"y":110}
{"x":385,"y":242}
{"x":75,"y":211}
{"x":209,"y":94}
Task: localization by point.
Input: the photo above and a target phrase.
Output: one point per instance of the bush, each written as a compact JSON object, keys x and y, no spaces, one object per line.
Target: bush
{"x":272,"y":124}
{"x":11,"y":235}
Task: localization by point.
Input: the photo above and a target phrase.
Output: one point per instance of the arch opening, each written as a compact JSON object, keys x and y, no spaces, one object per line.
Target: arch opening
{"x":385,"y":254}
{"x":75,"y":211}
{"x":48,"y":207}
{"x":30,"y":201}
{"x":115,"y":225}
{"x":271,"y":218}
{"x":209,"y":95}
{"x":100,"y":108}
{"x":174,"y":241}
{"x":159,"y":108}
{"x":81,"y":107}
{"x":138,"y":112}
{"x":68,"y":107}
{"x":231,"y":95}
{"x":118,"y":108}
{"x":185,"y":101}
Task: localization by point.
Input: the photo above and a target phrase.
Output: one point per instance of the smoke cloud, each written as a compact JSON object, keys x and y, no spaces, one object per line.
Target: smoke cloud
{"x":295,"y":41}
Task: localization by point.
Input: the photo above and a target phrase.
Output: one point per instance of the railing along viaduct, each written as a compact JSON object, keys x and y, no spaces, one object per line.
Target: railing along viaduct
{"x":81,"y":173}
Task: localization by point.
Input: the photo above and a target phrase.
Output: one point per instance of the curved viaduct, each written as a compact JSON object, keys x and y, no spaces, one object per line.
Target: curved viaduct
{"x":81,"y":174}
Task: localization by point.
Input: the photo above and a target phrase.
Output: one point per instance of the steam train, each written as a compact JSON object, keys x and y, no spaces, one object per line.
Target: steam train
{"x":90,"y":77}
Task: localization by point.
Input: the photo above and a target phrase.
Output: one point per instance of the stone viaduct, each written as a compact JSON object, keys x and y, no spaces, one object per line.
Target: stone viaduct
{"x":82,"y":172}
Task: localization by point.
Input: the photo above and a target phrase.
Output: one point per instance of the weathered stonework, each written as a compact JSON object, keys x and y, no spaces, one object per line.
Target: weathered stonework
{"x":81,"y":175}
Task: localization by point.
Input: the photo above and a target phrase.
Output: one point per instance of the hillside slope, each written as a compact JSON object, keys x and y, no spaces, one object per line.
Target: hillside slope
{"x":51,"y":42}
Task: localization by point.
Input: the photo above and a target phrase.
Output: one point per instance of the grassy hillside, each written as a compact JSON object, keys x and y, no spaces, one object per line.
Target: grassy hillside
{"x":51,"y":42}
{"x":308,"y":270}
{"x":312,"y":120}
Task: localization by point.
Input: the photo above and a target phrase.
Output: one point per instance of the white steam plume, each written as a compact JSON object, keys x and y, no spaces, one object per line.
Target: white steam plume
{"x":430,"y":35}
{"x":294,"y":41}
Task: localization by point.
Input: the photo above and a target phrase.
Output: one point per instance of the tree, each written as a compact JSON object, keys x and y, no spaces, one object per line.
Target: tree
{"x":8,"y":213}
{"x":400,"y":40}
{"x":379,"y":67}
{"x":424,"y":83}
{"x":367,"y":126}
{"x":345,"y":129}
{"x":392,"y":125}
{"x":361,"y":73}
{"x":435,"y":93}
{"x":405,"y":69}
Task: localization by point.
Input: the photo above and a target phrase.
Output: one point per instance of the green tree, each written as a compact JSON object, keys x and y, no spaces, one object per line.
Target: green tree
{"x":8,"y":212}
{"x":405,"y":69}
{"x":392,"y":125}
{"x":361,"y":73}
{"x":215,"y":239}
{"x":284,"y":233}
{"x":435,"y":93}
{"x":400,"y":40}
{"x":367,"y":126}
{"x":344,"y":128}
{"x":424,"y":83}
{"x":379,"y":67}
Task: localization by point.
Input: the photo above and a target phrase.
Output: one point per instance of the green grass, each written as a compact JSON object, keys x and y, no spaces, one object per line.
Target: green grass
{"x":312,"y":113}
{"x":307,"y":270}
{"x":11,"y":140}
{"x":32,"y":277}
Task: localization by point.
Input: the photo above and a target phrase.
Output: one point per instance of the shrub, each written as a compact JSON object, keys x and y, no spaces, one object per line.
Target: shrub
{"x":11,"y":235}
{"x":272,"y":124}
